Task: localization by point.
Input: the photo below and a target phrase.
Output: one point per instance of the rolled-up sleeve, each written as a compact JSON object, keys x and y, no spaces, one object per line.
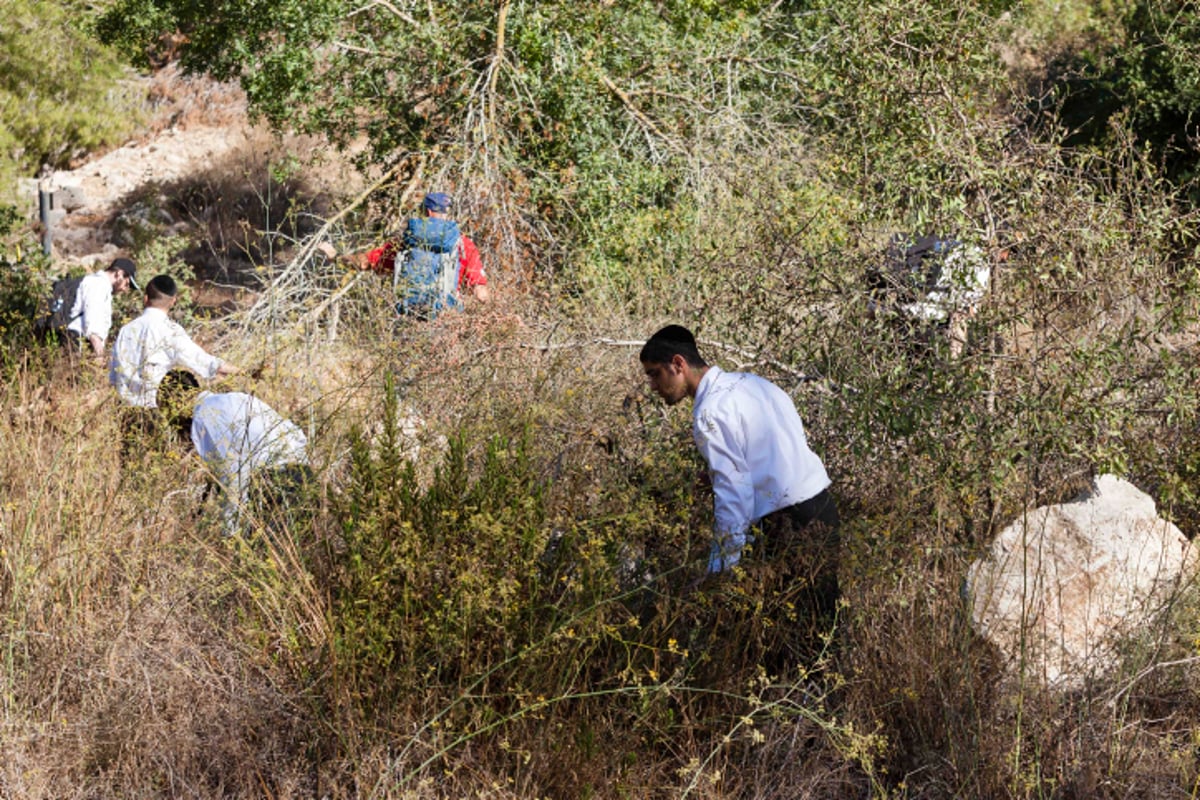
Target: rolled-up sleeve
{"x":192,"y":356}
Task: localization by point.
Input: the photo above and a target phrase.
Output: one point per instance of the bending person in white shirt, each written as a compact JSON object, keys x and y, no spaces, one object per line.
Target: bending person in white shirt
{"x":91,"y":312}
{"x":764,"y":475}
{"x":257,"y":458}
{"x":149,"y":347}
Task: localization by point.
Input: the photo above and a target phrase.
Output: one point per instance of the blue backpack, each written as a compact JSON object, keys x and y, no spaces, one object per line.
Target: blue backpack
{"x":426,"y":276}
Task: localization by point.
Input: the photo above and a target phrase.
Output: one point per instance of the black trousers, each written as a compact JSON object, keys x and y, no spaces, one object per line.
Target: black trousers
{"x":804,"y":539}
{"x":278,"y":495}
{"x":71,"y":344}
{"x":73,"y":341}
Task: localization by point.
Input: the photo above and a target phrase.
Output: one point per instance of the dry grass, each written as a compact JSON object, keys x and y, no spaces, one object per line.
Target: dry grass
{"x":126,"y":661}
{"x":147,"y":656}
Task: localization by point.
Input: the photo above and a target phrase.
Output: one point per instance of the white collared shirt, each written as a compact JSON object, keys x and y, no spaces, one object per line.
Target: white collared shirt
{"x":236,"y":434}
{"x":146,"y":350}
{"x":751,"y":436}
{"x":91,"y":313}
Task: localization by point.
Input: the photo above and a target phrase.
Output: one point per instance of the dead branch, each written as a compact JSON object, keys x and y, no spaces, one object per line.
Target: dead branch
{"x":1112,"y":701}
{"x":796,"y":375}
{"x":638,"y":115}
{"x":290,"y":289}
{"x":498,"y":57}
{"x":384,"y":4}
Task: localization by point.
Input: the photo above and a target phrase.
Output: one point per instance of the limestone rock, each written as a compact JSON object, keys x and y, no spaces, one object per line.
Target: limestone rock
{"x":70,"y":196}
{"x":1067,"y":582}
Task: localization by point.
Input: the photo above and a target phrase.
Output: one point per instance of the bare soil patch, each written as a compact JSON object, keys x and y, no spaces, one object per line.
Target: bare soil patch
{"x":200,"y":169}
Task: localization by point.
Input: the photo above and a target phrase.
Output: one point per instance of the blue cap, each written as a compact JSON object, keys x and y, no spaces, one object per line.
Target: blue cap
{"x":436,"y":201}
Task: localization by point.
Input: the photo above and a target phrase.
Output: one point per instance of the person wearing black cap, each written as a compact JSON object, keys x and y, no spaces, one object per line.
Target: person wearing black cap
{"x":770,"y":489}
{"x":428,"y":243}
{"x":91,"y":314}
{"x":149,"y":347}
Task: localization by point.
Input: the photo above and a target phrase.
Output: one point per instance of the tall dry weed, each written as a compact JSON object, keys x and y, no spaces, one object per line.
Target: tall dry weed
{"x":128,"y":668}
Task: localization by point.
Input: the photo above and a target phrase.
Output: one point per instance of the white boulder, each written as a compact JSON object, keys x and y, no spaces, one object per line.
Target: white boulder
{"x":1061,"y":585}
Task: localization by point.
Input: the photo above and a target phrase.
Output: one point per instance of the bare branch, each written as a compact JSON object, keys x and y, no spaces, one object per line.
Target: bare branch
{"x":289,"y":288}
{"x":384,"y":4}
{"x":796,"y":375}
{"x":498,"y":55}
{"x":638,"y":115}
{"x":1112,"y":701}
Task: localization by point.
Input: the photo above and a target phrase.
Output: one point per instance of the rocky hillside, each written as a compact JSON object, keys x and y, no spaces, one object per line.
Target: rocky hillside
{"x":189,"y":172}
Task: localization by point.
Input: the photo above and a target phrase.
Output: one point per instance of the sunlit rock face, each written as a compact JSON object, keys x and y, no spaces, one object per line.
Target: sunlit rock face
{"x":1061,"y":586}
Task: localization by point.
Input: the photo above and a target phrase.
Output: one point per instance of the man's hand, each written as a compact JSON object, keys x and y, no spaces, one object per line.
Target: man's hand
{"x":722,"y":558}
{"x":357,"y":260}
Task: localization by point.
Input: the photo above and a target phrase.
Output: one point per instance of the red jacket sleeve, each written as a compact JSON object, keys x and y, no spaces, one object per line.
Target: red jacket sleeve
{"x":383,"y":259}
{"x":472,"y":273}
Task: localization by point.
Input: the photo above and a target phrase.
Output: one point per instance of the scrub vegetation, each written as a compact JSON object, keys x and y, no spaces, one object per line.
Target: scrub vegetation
{"x":494,"y":593}
{"x":61,"y":94}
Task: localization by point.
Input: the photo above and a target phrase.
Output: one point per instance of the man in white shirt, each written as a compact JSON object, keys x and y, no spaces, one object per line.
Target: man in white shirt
{"x":765,"y":478}
{"x":91,"y":313}
{"x":149,"y":347}
{"x":258,"y":458}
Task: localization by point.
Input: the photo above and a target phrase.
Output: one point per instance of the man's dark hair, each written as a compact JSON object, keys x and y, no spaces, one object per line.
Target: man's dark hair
{"x":669,"y":342}
{"x":161,"y":286}
{"x":127,"y":266}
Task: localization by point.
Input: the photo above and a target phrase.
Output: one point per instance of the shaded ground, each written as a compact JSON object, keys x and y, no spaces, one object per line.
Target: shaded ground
{"x":200,"y":170}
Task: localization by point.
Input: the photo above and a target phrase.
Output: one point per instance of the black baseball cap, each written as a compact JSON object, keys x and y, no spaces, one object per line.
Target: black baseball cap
{"x":127,"y":266}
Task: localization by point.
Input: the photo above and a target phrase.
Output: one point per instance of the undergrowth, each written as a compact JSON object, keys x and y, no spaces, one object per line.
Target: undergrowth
{"x":495,"y":589}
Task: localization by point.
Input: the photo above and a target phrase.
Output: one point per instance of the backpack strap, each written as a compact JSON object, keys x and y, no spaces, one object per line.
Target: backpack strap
{"x":451,"y":270}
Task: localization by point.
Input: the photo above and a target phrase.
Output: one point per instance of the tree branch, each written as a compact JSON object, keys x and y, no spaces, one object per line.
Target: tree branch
{"x":306,"y":251}
{"x":639,"y":116}
{"x":498,"y":55}
{"x":392,"y":9}
{"x":796,"y":375}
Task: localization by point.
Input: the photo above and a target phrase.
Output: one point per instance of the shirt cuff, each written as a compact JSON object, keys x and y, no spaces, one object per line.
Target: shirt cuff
{"x":726,"y":552}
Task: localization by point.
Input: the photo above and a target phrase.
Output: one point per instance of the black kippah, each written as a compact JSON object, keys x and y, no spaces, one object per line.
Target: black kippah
{"x":164,"y":285}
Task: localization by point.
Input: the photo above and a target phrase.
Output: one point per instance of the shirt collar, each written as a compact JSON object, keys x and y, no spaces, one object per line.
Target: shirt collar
{"x":151,"y":311}
{"x":710,"y":377}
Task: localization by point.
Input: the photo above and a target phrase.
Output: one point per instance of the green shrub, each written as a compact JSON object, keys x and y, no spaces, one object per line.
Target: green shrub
{"x":60,"y":91}
{"x":1138,"y":75}
{"x":24,"y":288}
{"x":434,"y":578}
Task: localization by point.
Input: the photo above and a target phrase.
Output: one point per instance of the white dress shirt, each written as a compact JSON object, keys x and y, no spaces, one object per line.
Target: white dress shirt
{"x":146,"y":350}
{"x":236,"y":434}
{"x":91,"y":314}
{"x":749,"y":432}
